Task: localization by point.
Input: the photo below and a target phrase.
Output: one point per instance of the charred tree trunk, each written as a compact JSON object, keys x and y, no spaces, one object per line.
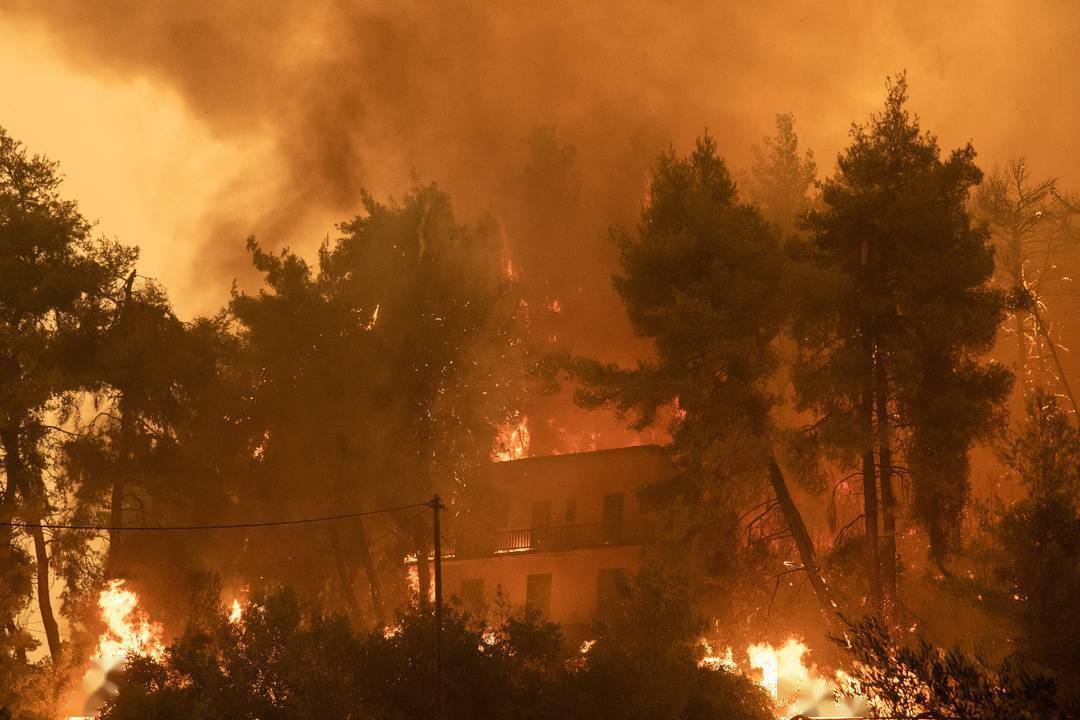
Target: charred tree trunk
{"x":803,"y":542}
{"x":345,"y":577}
{"x":888,"y":497}
{"x":52,"y":630}
{"x":870,"y":494}
{"x":372,"y":573}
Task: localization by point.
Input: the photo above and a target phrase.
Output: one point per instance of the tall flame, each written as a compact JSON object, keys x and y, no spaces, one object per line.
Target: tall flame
{"x":512,"y":442}
{"x":795,"y":688}
{"x":128,"y":629}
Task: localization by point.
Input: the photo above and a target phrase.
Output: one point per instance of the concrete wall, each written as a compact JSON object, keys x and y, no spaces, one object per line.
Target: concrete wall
{"x":573,"y":577}
{"x":585,"y":477}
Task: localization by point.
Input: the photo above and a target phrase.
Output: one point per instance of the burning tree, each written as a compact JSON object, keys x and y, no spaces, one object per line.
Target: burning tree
{"x":56,"y":279}
{"x":378,"y":376}
{"x":920,"y":680}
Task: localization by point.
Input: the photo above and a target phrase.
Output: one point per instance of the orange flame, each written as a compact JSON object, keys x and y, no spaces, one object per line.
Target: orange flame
{"x":236,"y":611}
{"x":129,"y":631}
{"x":796,"y":689}
{"x":512,"y":442}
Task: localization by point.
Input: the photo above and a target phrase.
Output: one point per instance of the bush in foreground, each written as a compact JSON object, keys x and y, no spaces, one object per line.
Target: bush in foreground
{"x":284,"y":661}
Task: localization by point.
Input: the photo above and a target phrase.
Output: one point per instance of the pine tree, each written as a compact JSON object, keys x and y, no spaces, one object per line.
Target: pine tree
{"x":891,"y":334}
{"x":702,"y":278}
{"x":781,"y":179}
{"x":55,"y":280}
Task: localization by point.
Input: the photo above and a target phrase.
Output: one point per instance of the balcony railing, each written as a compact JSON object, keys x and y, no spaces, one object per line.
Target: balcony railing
{"x":542,"y":539}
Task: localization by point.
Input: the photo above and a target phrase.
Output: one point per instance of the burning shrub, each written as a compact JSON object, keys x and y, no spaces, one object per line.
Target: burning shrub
{"x":645,"y":662}
{"x":926,"y":681}
{"x":278,"y":659}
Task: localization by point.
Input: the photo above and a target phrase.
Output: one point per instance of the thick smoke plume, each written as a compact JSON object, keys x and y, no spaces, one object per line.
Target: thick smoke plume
{"x":355,"y":94}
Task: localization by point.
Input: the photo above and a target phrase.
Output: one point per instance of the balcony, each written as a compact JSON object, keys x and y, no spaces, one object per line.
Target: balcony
{"x":548,"y":539}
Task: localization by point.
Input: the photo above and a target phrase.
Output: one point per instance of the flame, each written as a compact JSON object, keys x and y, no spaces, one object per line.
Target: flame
{"x":763,"y":658}
{"x":678,"y":414}
{"x":129,"y":631}
{"x":714,"y":661}
{"x":413,"y":579}
{"x":796,"y":689}
{"x":374,"y":318}
{"x":236,"y":611}
{"x":512,"y":442}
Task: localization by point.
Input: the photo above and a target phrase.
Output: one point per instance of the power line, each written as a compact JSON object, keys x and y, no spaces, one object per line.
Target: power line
{"x":394,"y":531}
{"x":220,"y":526}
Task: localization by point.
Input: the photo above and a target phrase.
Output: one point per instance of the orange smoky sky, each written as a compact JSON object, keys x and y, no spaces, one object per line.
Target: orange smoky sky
{"x":185,"y":126}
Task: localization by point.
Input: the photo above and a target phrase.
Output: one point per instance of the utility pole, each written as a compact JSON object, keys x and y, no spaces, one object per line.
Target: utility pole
{"x":436,"y":506}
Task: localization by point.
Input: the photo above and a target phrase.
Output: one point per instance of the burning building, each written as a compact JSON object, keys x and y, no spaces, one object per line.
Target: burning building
{"x":568,"y":531}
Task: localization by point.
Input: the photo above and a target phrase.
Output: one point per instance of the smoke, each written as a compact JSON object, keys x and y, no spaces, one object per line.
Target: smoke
{"x":354,"y":94}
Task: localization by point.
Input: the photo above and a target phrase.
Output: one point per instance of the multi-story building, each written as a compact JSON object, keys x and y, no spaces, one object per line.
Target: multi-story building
{"x":569,"y":529}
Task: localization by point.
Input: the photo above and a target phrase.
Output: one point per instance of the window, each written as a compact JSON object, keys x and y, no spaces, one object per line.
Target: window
{"x":613,"y":517}
{"x":610,"y":592}
{"x":538,"y":593}
{"x":472,"y":593}
{"x":541,"y":523}
{"x":541,"y":514}
{"x":571,"y":510}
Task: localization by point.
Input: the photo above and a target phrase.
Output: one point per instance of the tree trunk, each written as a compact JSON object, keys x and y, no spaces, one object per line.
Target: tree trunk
{"x":345,"y":577}
{"x":52,"y":630}
{"x":116,"y":507}
{"x":17,"y":480}
{"x":1022,"y":351}
{"x":1042,"y":330}
{"x":116,"y":519}
{"x":888,"y":497}
{"x":372,"y":574}
{"x":870,"y":494}
{"x":7,"y":553}
{"x":803,"y":543}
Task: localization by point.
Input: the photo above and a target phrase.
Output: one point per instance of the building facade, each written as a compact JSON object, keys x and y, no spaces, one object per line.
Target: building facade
{"x":569,"y":529}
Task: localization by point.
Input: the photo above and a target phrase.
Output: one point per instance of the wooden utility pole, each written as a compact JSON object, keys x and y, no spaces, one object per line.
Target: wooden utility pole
{"x":436,"y":507}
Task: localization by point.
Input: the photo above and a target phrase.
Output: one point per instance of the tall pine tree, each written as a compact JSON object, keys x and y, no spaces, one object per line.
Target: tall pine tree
{"x":891,"y":335}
